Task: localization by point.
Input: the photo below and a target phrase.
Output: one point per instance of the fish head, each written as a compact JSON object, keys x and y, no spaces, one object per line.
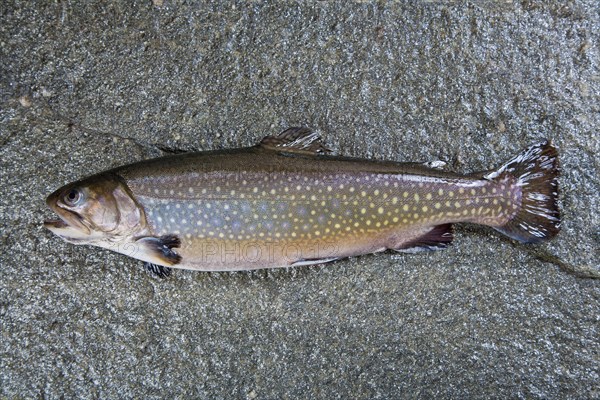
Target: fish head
{"x":96,"y":209}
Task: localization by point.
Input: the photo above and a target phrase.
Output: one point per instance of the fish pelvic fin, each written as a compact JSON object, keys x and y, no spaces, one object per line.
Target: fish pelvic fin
{"x":535,"y":173}
{"x":159,"y":271}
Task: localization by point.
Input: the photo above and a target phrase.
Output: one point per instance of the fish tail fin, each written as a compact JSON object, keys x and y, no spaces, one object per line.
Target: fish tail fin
{"x":535,"y":173}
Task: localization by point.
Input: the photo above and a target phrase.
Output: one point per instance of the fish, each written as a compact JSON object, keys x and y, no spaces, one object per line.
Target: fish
{"x":287,"y":201}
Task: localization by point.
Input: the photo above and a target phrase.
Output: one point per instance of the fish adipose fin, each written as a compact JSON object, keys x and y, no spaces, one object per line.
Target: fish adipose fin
{"x":295,"y":140}
{"x":535,"y":172}
{"x":160,"y":249}
{"x":438,"y":238}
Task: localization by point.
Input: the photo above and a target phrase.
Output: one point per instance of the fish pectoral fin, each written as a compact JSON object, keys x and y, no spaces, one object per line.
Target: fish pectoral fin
{"x":159,"y":250}
{"x":312,"y":261}
{"x":295,"y":140}
{"x":159,"y":271}
{"x":438,"y":238}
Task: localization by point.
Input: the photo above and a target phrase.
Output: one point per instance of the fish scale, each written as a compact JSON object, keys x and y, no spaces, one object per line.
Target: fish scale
{"x":331,"y":210}
{"x":280,"y":204}
{"x":291,"y":210}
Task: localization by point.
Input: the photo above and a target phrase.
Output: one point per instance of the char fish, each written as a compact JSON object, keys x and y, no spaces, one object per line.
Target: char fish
{"x":286,"y":202}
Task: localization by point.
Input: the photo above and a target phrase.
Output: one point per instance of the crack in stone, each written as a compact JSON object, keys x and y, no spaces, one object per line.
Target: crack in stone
{"x":143,"y":145}
{"x":578,"y":271}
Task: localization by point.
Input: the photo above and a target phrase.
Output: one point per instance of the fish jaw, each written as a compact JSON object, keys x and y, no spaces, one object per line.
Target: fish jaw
{"x":70,"y":227}
{"x":66,"y":232}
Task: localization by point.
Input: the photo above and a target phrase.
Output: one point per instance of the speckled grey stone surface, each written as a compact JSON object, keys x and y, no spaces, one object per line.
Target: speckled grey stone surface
{"x":84,"y":87}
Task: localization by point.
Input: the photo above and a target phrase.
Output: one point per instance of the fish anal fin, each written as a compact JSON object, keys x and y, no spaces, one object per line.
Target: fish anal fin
{"x":295,"y":140}
{"x":438,"y":238}
{"x":160,"y":271}
{"x":159,"y":250}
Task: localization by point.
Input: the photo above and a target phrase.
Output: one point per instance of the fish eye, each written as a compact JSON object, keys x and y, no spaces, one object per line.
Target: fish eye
{"x":73,"y":197}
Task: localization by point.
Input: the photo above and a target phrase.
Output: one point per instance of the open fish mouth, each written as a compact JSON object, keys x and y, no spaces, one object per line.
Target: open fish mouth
{"x":55,"y":224}
{"x":68,"y":226}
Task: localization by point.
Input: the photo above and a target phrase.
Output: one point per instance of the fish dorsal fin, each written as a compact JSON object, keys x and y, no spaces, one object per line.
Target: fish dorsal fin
{"x":295,"y":140}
